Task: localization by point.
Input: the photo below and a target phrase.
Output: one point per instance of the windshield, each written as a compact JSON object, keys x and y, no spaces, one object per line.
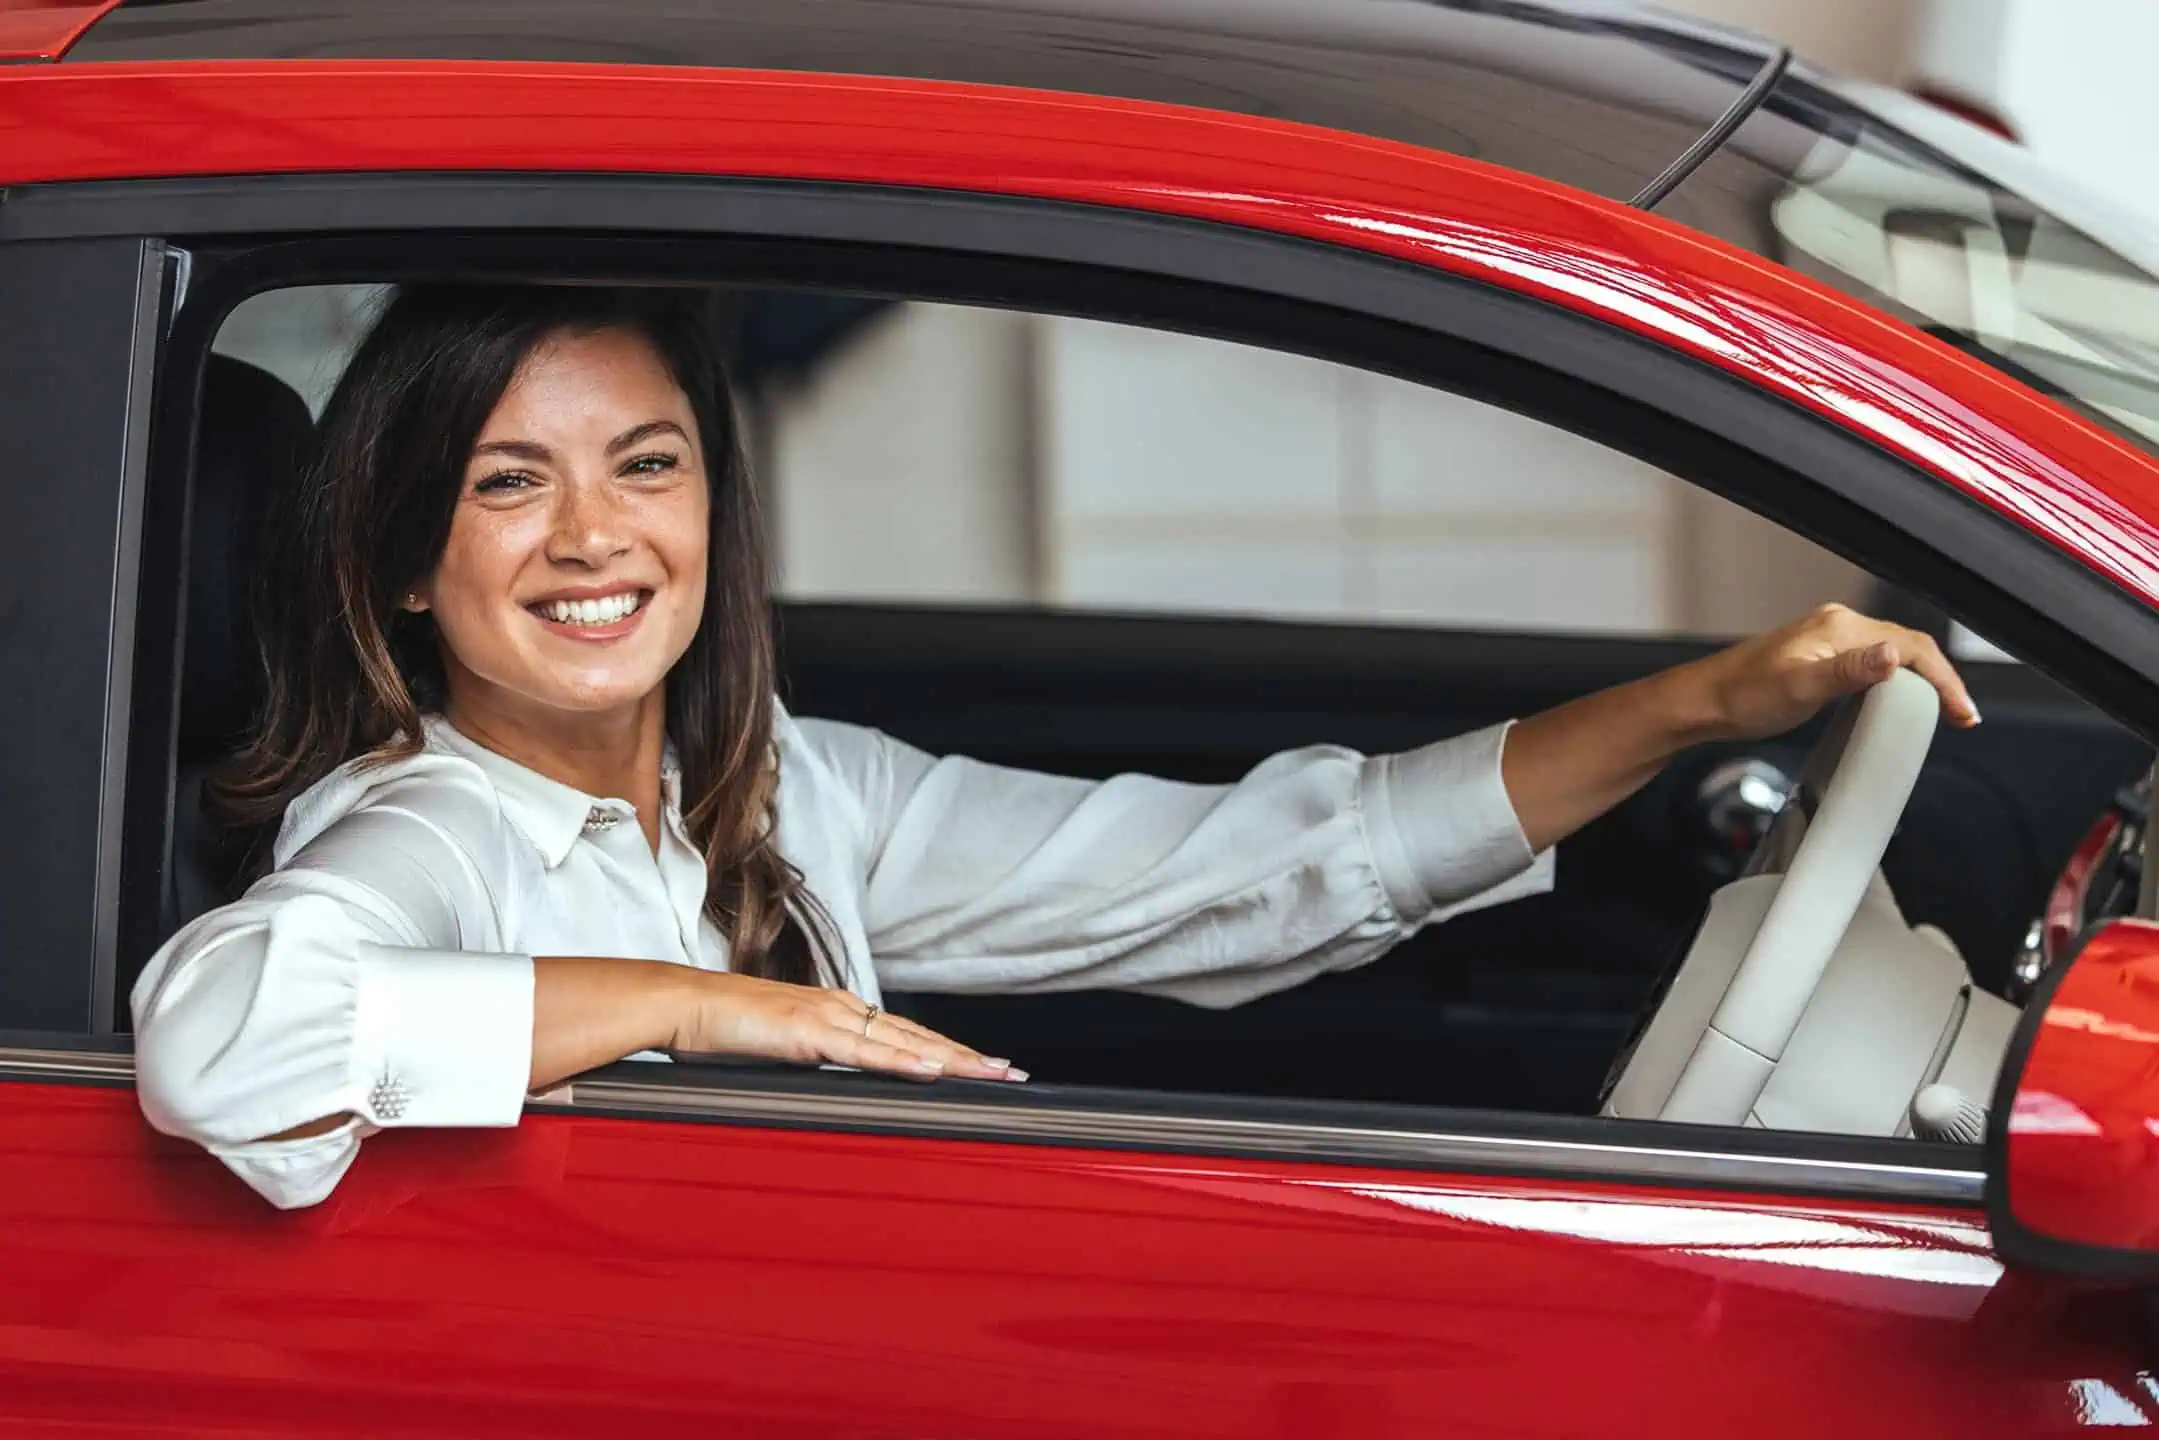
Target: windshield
{"x":1833,"y":190}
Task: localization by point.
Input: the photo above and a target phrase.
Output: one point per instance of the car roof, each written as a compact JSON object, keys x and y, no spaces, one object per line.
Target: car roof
{"x":1599,"y":96}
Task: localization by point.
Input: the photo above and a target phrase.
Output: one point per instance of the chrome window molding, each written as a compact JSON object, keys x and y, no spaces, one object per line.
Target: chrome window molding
{"x":1131,"y":1126}
{"x":31,"y":1064}
{"x":1110,"y":1126}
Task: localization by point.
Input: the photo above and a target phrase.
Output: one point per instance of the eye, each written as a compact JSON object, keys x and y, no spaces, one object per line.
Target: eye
{"x":655,"y":464}
{"x":505,"y":482}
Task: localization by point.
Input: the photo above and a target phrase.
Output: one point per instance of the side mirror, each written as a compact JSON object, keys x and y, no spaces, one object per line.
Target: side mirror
{"x":2072,"y":1145}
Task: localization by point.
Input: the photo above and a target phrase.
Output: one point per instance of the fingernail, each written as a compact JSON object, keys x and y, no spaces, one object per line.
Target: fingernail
{"x":1015,"y":1074}
{"x":929,"y":1066}
{"x":1881,"y":654}
{"x":997,"y":1062}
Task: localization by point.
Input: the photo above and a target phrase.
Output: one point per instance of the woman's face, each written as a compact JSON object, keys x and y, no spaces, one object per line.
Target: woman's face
{"x":574,"y":577}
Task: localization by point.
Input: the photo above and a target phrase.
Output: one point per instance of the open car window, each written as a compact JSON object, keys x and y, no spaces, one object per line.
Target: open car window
{"x":1090,"y":548}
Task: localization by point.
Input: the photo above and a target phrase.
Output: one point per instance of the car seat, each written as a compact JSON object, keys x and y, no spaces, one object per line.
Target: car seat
{"x":255,"y":432}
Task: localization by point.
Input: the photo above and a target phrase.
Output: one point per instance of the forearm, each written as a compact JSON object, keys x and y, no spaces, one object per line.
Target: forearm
{"x":1567,"y":766}
{"x":585,"y":1013}
{"x":591,"y":1012}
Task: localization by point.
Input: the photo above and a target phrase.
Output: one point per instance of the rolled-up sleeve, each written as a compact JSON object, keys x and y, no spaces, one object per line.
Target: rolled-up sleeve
{"x":988,"y":879}
{"x":365,"y":978}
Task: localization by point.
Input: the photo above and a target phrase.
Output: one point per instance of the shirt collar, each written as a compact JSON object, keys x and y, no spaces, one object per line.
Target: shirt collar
{"x":551,"y":814}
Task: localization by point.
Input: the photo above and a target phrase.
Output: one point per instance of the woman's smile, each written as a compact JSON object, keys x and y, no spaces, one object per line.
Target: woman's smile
{"x":592,"y":614}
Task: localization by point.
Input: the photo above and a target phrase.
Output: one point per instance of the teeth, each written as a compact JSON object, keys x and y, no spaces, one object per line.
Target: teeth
{"x":604,"y":611}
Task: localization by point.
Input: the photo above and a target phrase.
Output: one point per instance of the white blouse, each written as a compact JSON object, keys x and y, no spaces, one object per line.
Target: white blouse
{"x":383,"y":967}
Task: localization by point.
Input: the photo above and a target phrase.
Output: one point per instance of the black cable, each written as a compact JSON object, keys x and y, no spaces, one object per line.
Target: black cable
{"x":1691,"y":158}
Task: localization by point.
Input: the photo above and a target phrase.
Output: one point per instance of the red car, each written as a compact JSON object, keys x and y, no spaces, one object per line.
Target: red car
{"x":1405,"y":1200}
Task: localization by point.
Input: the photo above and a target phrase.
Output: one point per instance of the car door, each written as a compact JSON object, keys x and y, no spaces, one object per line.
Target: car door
{"x":807,"y":1253}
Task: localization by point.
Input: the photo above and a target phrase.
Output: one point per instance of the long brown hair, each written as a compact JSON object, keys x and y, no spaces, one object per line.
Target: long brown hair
{"x":350,"y":674}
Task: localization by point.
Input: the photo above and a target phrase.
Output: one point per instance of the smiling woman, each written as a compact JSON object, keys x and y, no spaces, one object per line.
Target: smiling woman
{"x":582,"y":482}
{"x":525,"y":802}
{"x":575,"y":570}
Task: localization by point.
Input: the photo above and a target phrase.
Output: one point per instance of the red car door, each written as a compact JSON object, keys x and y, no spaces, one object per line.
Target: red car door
{"x":681,"y":1257}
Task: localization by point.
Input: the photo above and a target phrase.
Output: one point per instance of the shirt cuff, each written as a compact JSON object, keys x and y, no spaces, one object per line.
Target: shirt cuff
{"x":443,"y":1037}
{"x":1440,"y":825}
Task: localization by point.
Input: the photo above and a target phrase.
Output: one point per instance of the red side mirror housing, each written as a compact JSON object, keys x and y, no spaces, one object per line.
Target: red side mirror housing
{"x":2072,"y":1147}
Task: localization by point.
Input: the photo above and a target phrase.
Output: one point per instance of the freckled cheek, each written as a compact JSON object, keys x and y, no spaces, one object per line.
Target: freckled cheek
{"x":486,"y":560}
{"x":482,"y":565}
{"x":677,"y":528}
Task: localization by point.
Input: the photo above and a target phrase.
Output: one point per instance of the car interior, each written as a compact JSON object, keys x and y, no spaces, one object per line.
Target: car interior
{"x":1525,"y":1006}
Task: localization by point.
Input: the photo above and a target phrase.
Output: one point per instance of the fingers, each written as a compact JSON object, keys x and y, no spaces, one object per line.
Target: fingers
{"x":1855,"y":669}
{"x":959,"y":1059}
{"x":732,"y":1014}
{"x":901,"y":1047}
{"x":1933,"y":666}
{"x":845,"y":1047}
{"x":1866,"y":652}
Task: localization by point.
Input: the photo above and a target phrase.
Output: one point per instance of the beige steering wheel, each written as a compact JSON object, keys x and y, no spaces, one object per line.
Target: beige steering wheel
{"x":1732,"y":1006}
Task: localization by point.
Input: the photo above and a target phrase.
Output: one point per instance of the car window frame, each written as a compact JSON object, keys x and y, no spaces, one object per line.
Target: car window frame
{"x":1706,"y":426}
{"x":83,"y":317}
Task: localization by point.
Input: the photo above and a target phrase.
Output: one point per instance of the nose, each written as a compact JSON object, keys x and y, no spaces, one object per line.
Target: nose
{"x":588,"y":529}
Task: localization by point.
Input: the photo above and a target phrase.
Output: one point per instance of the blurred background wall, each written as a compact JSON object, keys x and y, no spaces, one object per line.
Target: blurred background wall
{"x":956,"y":454}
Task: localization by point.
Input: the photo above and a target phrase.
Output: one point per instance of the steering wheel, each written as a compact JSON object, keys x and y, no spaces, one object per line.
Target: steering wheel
{"x":1723,"y":1017}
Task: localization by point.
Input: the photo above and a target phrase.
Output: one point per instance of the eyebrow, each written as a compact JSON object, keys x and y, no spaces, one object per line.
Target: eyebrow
{"x":534,"y":451}
{"x":645,"y":432}
{"x":515,"y":449}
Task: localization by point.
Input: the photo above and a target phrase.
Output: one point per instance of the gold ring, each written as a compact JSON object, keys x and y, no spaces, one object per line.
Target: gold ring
{"x":869,"y":1018}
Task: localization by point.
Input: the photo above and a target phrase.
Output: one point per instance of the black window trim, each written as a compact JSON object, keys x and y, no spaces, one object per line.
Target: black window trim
{"x":1790,"y":465}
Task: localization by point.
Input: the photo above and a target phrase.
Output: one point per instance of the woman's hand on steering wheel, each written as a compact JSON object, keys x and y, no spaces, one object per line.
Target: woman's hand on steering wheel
{"x":769,"y":1019}
{"x":1773,"y":682}
{"x":1567,"y":766}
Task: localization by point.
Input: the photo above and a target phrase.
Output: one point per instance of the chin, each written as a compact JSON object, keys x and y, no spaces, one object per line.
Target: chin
{"x":591,"y":698}
{"x":587,"y":690}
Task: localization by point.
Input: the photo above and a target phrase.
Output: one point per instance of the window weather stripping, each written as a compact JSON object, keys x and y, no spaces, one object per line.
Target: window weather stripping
{"x":1712,"y":139}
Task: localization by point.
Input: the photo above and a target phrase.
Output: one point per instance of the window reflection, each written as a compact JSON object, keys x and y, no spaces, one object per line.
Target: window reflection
{"x":1972,"y":262}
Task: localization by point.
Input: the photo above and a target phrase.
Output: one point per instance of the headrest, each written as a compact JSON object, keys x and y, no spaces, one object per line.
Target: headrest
{"x":254,"y":435}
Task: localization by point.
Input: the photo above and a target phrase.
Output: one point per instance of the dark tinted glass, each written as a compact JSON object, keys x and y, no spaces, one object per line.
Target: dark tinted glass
{"x":79,"y":316}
